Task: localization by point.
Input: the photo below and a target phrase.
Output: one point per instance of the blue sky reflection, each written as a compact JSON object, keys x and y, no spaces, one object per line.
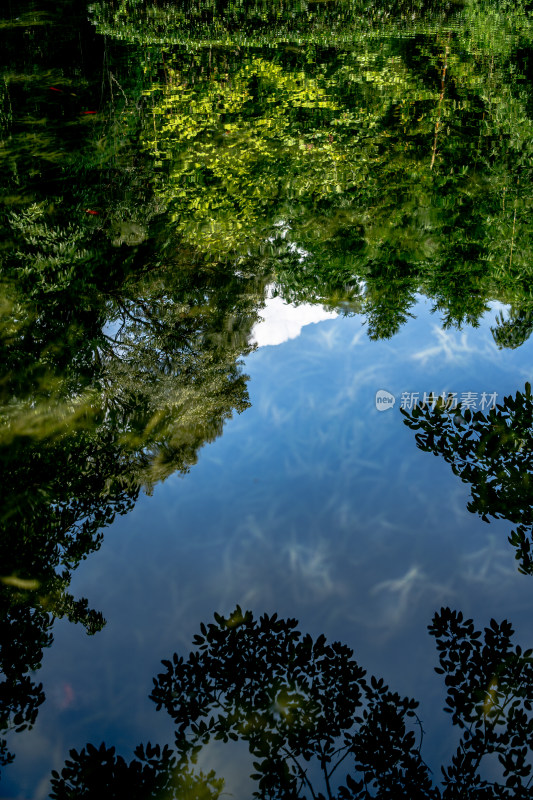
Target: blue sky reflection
{"x":312,"y":504}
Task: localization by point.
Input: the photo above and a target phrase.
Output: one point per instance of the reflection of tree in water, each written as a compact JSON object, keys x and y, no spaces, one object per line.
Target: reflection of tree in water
{"x":112,"y":382}
{"x":120,"y":347}
{"x":153,"y":775}
{"x":134,"y":405}
{"x":122,"y":327}
{"x":331,"y":166}
{"x":319,"y":727}
{"x":491,"y":451}
{"x":515,"y":330}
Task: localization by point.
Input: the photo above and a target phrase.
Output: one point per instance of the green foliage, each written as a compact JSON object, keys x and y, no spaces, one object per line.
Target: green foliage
{"x":515,"y":330}
{"x":51,"y":257}
{"x":399,"y":158}
{"x":134,"y":406}
{"x":492,"y":451}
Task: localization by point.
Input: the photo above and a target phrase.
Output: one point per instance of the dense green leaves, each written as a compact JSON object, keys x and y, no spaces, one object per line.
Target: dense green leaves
{"x":372,"y":166}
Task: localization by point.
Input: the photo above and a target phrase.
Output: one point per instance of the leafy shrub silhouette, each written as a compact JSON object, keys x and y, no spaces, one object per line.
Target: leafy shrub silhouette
{"x":306,"y":707}
{"x":491,"y":451}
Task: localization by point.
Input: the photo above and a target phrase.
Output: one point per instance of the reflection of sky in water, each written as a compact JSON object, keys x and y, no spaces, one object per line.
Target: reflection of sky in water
{"x":281,"y":321}
{"x":313,"y":504}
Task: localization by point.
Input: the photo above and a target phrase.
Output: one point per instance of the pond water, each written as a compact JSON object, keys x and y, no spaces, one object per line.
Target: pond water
{"x":265,"y":314}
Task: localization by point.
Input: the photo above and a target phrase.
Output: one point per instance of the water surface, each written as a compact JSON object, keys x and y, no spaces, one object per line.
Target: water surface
{"x":360,"y":181}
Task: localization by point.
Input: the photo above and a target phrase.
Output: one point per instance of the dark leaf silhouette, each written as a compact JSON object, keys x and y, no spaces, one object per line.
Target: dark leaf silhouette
{"x":318,"y":727}
{"x":493,"y":452}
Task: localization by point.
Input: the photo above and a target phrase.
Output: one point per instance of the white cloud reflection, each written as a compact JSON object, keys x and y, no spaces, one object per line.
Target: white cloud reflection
{"x":453,"y":347}
{"x":399,"y":596}
{"x":491,"y":564}
{"x":282,"y":321}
